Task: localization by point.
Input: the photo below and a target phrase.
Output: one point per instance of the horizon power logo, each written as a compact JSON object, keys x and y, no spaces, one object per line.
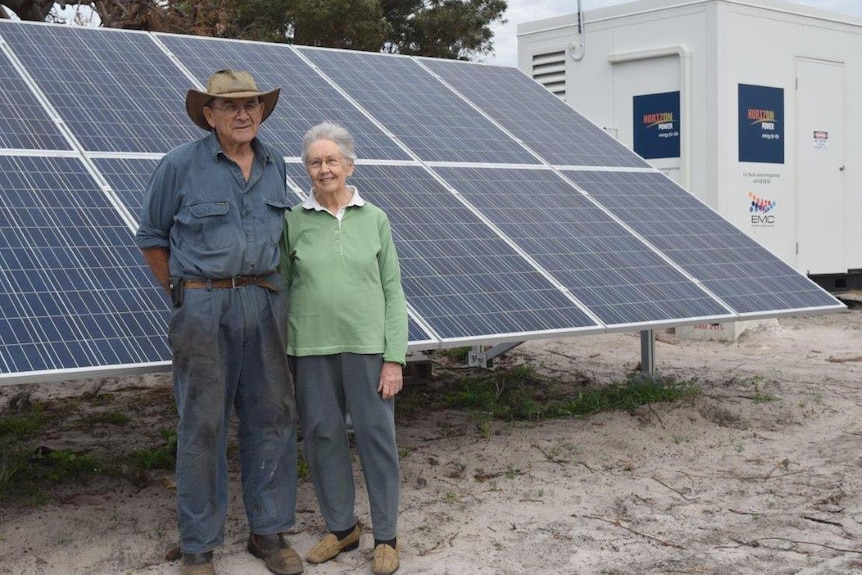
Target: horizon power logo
{"x":656,"y":125}
{"x":766,"y":119}
{"x":759,"y":209}
{"x":761,"y":124}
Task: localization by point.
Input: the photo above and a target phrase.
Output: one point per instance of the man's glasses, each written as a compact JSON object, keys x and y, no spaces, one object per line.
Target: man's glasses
{"x":233,"y":109}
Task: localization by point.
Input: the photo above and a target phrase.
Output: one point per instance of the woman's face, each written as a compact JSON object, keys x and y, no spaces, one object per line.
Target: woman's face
{"x":327,"y":167}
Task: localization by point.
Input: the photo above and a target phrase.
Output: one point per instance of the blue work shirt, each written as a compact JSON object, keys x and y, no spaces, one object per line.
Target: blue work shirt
{"x":215,"y":224}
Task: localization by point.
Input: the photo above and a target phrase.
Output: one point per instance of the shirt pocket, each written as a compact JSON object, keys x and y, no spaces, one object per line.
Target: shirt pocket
{"x":212,"y":222}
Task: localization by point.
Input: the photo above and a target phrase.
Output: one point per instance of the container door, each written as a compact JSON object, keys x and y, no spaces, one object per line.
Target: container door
{"x":820,"y":167}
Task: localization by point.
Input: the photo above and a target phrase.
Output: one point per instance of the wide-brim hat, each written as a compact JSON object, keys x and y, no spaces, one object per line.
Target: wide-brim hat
{"x":228,"y":84}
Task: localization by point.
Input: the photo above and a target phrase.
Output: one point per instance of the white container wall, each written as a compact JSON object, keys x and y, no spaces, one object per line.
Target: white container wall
{"x":753,"y":106}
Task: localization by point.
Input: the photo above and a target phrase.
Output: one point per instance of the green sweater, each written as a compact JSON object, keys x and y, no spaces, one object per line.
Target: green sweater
{"x":345,"y":284}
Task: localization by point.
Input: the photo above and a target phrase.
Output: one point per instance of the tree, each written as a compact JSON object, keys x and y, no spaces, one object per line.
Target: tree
{"x":348,"y":24}
{"x":35,"y":10}
{"x":454,"y":29}
{"x":440,"y":28}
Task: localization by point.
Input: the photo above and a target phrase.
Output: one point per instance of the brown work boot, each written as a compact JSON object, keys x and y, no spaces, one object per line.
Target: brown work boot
{"x":277,"y":555}
{"x":330,"y":546}
{"x":385,"y":559}
{"x":197,"y":564}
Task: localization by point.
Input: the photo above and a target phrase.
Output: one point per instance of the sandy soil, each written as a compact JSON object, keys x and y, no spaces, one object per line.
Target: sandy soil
{"x":758,"y":475}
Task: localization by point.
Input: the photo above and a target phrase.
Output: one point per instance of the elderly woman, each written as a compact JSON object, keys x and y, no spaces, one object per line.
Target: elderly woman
{"x":347,"y":340}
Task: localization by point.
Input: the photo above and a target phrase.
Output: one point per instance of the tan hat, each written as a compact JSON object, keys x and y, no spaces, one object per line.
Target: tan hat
{"x":227,"y":84}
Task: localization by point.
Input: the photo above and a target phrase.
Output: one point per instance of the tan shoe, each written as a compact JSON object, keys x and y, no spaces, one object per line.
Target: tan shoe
{"x":197,"y":564}
{"x":277,"y":555}
{"x":330,"y":546}
{"x":385,"y":559}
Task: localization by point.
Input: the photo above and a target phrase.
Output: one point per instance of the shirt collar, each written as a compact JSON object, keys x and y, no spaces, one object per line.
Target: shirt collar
{"x":311,"y":202}
{"x":260,"y":150}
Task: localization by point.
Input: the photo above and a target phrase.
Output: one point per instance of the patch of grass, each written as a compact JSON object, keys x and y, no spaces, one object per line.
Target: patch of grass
{"x":21,"y":425}
{"x":763,"y":397}
{"x":455,"y":354}
{"x":520,"y":393}
{"x":161,"y":457}
{"x":117,"y":418}
{"x":302,"y":470}
{"x":62,"y":465}
{"x":25,"y":474}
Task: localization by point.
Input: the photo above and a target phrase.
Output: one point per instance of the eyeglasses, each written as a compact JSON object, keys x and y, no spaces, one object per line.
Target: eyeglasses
{"x":232,"y":108}
{"x":317,"y":163}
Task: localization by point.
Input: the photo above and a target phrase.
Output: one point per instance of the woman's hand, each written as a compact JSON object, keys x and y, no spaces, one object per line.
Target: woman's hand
{"x":391,"y":380}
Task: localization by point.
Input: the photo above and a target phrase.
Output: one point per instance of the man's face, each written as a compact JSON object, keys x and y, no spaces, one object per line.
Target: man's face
{"x":235,"y":120}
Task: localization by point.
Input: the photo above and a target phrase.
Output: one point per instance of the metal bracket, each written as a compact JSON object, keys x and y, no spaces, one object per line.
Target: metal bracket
{"x":478,"y":356}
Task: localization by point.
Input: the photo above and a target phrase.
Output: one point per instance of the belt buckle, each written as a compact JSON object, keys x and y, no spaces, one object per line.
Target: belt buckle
{"x":233,"y":283}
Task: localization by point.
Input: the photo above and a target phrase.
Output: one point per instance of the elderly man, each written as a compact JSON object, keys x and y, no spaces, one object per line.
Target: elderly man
{"x":212,"y":217}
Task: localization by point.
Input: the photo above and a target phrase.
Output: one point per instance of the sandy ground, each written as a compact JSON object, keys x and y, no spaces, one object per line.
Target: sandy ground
{"x":758,"y":475}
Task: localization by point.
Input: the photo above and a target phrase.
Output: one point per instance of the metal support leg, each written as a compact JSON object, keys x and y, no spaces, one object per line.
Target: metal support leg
{"x":478,"y":356}
{"x":648,"y":352}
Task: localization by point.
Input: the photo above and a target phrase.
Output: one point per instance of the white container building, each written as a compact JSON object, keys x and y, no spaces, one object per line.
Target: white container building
{"x":753,"y":106}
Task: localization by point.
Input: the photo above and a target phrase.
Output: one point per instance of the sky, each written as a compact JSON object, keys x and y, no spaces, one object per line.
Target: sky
{"x":519,"y":11}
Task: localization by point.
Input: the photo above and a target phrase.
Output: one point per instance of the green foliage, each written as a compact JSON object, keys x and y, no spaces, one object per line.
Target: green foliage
{"x":117,"y":418}
{"x":302,"y":470}
{"x":455,"y":354}
{"x":455,"y":29}
{"x":347,"y":24}
{"x":519,"y":393}
{"x":22,"y":425}
{"x":161,"y":457}
{"x":24,"y":473}
{"x":61,"y":465}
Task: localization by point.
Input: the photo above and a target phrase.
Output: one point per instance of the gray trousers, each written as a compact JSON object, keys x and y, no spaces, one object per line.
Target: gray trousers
{"x":327,"y":388}
{"x":228,"y":353}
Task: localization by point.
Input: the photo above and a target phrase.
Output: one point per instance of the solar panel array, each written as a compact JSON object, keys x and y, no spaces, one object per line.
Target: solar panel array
{"x":514,"y":216}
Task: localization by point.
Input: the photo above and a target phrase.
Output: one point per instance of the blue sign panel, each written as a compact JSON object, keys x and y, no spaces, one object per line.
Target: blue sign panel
{"x":656,"y":125}
{"x":761,"y":124}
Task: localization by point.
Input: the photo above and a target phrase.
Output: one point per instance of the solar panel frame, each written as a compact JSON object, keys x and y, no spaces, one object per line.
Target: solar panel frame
{"x":127,"y":178}
{"x":24,"y":122}
{"x":686,"y":230}
{"x":615,"y":275}
{"x":422,"y":113}
{"x":543,"y":122}
{"x":115,"y":90}
{"x":109,"y":103}
{"x":76,"y":292}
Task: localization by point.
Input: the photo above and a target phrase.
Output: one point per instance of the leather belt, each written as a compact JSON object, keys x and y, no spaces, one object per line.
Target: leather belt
{"x":235,"y":282}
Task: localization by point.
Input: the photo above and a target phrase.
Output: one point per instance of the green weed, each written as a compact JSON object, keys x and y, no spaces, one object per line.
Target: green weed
{"x":161,"y":457}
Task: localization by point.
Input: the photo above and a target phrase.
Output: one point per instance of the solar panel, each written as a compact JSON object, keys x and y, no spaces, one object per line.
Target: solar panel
{"x":74,"y":291}
{"x":115,"y":90}
{"x":24,"y":123}
{"x":127,"y":178}
{"x":514,"y":217}
{"x":306,"y":98}
{"x":613,"y":273}
{"x":460,"y":277}
{"x":533,"y":114}
{"x":417,"y":335}
{"x":420,"y":111}
{"x":729,"y":263}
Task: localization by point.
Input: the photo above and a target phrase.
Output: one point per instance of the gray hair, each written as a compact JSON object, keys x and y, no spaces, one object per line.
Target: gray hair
{"x":334,"y":133}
